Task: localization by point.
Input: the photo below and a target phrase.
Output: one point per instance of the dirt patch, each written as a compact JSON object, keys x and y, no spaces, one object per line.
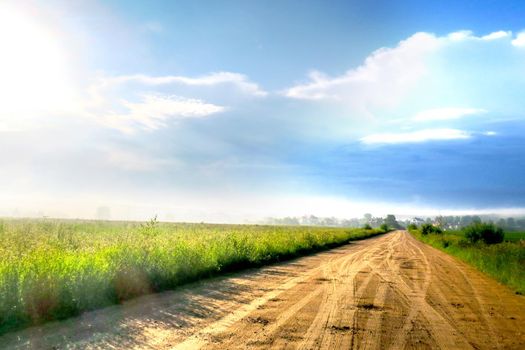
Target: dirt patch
{"x":457,"y":305}
{"x":258,"y":320}
{"x":343,"y":329}
{"x":369,"y":307}
{"x":323,"y":279}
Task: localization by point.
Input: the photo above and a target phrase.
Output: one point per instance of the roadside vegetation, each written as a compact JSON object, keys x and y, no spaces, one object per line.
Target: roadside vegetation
{"x":54,"y":269}
{"x":486,"y":246}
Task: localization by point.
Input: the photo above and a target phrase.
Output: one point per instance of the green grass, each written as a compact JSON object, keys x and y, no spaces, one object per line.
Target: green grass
{"x":514,"y":236}
{"x":54,"y":269}
{"x":504,"y":261}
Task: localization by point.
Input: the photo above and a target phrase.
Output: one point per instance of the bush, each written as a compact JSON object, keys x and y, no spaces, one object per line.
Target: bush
{"x":384,"y":227}
{"x":367,"y":227}
{"x":429,"y":228}
{"x":463,"y":243}
{"x":485,"y":232}
{"x":412,"y":227}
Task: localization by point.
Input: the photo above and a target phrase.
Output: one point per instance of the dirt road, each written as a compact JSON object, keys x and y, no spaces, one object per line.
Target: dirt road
{"x":386,"y":292}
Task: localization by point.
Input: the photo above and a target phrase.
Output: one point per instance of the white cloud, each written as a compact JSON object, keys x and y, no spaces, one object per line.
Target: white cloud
{"x":460,"y":35}
{"x":383,"y":78}
{"x":131,"y":102}
{"x":469,"y":35}
{"x":496,"y":35}
{"x":390,"y":76}
{"x":424,"y":135}
{"x":490,"y":133}
{"x":239,"y":81}
{"x":520,"y":40}
{"x":446,"y":113}
{"x":153,"y":112}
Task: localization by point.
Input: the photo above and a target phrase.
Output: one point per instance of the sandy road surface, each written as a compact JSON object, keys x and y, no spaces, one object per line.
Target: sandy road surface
{"x":386,"y":292}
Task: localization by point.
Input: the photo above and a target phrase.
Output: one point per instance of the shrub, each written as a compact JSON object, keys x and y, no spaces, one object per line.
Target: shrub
{"x":412,"y":227}
{"x":429,"y":228}
{"x":485,"y":232}
{"x":367,"y":227}
{"x":384,"y":227}
{"x":463,"y":243}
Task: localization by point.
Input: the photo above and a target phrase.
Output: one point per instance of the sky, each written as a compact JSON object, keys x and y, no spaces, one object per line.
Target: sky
{"x":232,"y":111}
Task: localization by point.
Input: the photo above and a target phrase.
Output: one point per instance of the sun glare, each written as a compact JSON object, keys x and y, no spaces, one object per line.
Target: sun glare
{"x":33,"y":73}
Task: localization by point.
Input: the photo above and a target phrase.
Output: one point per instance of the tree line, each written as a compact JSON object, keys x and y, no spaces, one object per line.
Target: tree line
{"x":444,"y":222}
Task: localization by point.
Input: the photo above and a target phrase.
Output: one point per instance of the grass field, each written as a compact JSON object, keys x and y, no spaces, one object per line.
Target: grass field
{"x":514,"y":236}
{"x":504,"y":261}
{"x":52,"y":269}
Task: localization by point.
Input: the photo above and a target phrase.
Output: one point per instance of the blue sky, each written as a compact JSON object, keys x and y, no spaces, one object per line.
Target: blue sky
{"x":236,"y":110}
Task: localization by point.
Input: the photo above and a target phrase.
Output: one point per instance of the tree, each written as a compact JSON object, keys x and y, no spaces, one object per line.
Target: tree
{"x":391,"y":221}
{"x":511,"y":223}
{"x":441,"y":221}
{"x":465,"y":220}
{"x":429,"y":228}
{"x":486,"y":232}
{"x":412,"y":227}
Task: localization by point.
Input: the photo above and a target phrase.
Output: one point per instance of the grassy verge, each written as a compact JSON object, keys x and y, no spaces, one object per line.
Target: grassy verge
{"x":504,"y":261}
{"x":57,"y":269}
